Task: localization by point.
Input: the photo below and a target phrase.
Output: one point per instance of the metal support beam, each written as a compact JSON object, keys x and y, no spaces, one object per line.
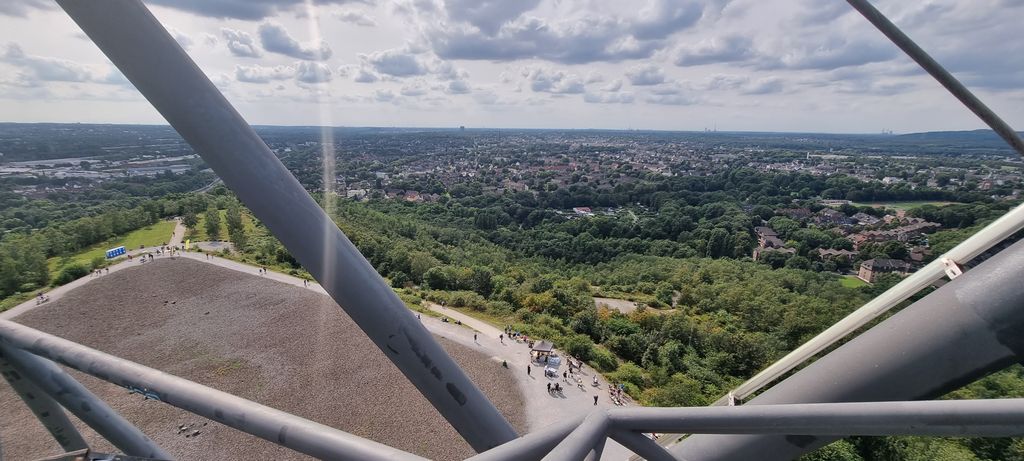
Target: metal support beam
{"x":937,"y":418}
{"x":532,"y":446}
{"x":140,"y":47}
{"x":287,"y":430}
{"x":936,"y":70}
{"x":970,"y":327}
{"x":581,"y":440}
{"x":47,"y":411}
{"x":85,"y":405}
{"x":641,"y":445}
{"x":595,"y":454}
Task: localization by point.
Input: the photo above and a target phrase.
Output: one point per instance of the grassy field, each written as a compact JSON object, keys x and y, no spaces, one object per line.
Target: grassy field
{"x":901,"y":205}
{"x":14,"y":300}
{"x":147,"y":236}
{"x":851,"y":281}
{"x":199,"y":233}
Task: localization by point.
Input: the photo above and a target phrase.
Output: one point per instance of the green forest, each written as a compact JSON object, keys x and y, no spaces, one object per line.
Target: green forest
{"x":704,"y":325}
{"x":708,"y":316}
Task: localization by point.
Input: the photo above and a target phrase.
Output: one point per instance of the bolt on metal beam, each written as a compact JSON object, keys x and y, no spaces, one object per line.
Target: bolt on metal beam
{"x":930,"y":65}
{"x":85,"y":405}
{"x":135,"y":41}
{"x":287,"y":430}
{"x":47,"y":411}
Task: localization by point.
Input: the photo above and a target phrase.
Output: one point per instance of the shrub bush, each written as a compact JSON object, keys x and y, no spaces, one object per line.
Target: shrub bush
{"x":70,"y":273}
{"x":603,"y":360}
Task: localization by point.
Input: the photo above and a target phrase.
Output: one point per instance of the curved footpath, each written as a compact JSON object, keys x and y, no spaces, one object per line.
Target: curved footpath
{"x":543,"y":409}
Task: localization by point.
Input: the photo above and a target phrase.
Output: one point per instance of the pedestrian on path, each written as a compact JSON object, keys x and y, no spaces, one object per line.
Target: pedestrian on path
{"x":305,"y":283}
{"x":474,"y":337}
{"x":527,"y":370}
{"x":549,"y":387}
{"x":501,"y":338}
{"x":595,"y":399}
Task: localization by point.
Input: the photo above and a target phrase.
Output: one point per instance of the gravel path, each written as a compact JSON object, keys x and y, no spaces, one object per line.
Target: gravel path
{"x":284,"y":346}
{"x":542,"y":408}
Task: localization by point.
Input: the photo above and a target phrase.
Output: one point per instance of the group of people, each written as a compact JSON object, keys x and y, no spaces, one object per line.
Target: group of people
{"x":457,"y":322}
{"x":617,"y":393}
{"x":514,"y":335}
{"x":99,"y":272}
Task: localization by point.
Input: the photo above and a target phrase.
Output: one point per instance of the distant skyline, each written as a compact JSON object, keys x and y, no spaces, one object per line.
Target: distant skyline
{"x":679,"y":65}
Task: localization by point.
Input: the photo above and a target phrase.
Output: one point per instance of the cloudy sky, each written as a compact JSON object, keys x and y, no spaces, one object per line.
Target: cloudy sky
{"x":779,"y":65}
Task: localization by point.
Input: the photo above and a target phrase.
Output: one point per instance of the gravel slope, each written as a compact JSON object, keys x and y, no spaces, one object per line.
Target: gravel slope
{"x":279,"y":345}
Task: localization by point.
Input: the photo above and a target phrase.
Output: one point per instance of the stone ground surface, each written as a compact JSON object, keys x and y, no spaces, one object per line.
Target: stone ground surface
{"x":279,"y":344}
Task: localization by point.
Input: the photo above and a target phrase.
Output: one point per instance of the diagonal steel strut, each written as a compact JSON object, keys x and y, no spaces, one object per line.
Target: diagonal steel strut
{"x":299,"y":434}
{"x":148,"y":56}
{"x":47,"y":410}
{"x":78,"y":400}
{"x":929,"y":64}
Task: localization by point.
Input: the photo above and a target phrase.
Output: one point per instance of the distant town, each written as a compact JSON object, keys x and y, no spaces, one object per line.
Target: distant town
{"x":853,"y":220}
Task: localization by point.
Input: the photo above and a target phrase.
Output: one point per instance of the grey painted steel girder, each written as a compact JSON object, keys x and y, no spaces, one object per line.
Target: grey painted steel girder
{"x":47,"y":411}
{"x":641,"y":445}
{"x":148,"y":56}
{"x":285,"y":429}
{"x":940,"y":418}
{"x":581,"y":440}
{"x":532,"y":446}
{"x":85,"y":405}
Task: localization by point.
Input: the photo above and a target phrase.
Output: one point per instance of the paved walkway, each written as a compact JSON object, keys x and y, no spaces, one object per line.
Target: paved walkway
{"x":542,"y":408}
{"x":178,"y":235}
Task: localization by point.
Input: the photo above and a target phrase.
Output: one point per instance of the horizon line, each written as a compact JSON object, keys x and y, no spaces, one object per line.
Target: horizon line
{"x":483,"y":128}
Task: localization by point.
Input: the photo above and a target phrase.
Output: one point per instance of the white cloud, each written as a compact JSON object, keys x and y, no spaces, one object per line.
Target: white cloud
{"x":645,"y":75}
{"x":730,"y":48}
{"x":276,"y":39}
{"x":184,"y":40}
{"x":312,"y":72}
{"x":458,"y":87}
{"x":261,"y":74}
{"x":363,"y":75}
{"x":395,"y":62}
{"x":240,"y":43}
{"x":355,"y":17}
{"x":609,"y":98}
{"x":545,"y":80}
{"x":243,"y":9}
{"x":803,"y":64}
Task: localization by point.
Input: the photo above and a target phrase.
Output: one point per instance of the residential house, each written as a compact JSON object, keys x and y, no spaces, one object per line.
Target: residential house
{"x":872,"y":268}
